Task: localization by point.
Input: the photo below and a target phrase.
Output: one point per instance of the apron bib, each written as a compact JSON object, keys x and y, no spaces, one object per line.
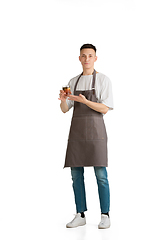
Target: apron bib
{"x":87,"y":142}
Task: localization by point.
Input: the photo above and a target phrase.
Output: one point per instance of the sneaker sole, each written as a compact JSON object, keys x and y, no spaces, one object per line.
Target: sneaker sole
{"x":104,"y":227}
{"x":76,"y":226}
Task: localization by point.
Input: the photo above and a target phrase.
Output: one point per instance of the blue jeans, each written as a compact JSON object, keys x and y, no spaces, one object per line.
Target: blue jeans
{"x":79,"y":188}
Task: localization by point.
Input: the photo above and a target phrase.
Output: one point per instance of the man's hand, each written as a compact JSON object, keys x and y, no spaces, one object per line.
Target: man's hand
{"x":62,"y":96}
{"x":79,"y":98}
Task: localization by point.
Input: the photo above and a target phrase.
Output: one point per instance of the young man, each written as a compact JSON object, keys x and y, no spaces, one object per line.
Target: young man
{"x":87,"y":144}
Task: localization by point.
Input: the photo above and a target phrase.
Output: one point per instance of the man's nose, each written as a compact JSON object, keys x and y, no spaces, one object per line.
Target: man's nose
{"x":87,"y":58}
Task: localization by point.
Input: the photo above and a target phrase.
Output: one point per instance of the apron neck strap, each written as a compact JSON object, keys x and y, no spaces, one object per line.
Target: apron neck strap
{"x":77,"y":82}
{"x":93,"y":81}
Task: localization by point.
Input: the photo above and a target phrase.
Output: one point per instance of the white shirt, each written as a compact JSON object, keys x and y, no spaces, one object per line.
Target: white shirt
{"x":103,"y":88}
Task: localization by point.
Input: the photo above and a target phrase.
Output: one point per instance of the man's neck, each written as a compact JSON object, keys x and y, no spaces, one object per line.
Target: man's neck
{"x":88,"y":71}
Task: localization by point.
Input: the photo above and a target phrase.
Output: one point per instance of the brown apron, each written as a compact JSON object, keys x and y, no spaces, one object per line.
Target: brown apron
{"x":87,"y":143}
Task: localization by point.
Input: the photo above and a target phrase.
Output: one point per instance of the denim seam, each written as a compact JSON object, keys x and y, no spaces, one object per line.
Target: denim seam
{"x":81,"y":188}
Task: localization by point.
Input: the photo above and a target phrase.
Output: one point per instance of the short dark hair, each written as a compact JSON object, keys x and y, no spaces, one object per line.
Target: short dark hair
{"x":88,"y":45}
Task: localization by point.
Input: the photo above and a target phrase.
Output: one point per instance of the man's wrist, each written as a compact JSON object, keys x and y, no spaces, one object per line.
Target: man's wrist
{"x":86,"y":101}
{"x":64,"y":101}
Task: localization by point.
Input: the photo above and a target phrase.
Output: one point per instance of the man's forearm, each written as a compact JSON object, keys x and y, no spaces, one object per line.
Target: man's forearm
{"x":64,"y":107}
{"x":99,"y":107}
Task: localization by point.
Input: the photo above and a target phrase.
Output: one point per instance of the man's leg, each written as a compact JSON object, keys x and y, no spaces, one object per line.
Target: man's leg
{"x":80,"y":197}
{"x":79,"y":188}
{"x":104,"y":196}
{"x":103,"y":188}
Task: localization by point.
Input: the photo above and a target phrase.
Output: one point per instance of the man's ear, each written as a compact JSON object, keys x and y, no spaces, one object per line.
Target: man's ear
{"x":96,"y":58}
{"x":79,"y":58}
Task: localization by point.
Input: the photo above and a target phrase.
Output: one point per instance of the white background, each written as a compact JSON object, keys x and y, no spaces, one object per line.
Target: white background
{"x":39,"y":49}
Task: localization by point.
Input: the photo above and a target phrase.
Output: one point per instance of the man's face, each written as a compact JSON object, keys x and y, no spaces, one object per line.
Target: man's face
{"x":87,"y":58}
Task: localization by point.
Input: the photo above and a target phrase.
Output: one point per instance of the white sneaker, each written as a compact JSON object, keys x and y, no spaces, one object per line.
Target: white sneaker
{"x":77,"y":221}
{"x":105,"y":222}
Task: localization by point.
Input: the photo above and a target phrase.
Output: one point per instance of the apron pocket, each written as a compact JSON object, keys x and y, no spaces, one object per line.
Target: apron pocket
{"x":95,"y":129}
{"x":78,"y":129}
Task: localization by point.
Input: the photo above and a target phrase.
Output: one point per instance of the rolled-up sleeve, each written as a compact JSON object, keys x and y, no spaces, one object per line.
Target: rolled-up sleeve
{"x":106,"y":94}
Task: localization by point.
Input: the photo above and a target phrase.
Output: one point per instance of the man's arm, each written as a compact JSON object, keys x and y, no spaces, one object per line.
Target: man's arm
{"x":63,"y":105}
{"x":99,"y":107}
